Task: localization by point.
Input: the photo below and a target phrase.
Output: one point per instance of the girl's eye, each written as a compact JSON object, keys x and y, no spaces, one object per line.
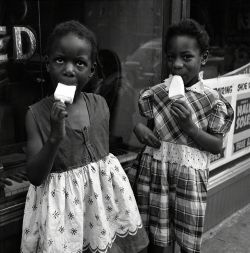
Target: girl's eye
{"x":59,"y":60}
{"x":80,"y":63}
{"x":170,"y":57}
{"x":187,"y":57}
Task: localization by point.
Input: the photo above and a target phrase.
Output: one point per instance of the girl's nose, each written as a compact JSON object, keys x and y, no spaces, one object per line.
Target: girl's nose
{"x":69,"y":69}
{"x":178,"y":63}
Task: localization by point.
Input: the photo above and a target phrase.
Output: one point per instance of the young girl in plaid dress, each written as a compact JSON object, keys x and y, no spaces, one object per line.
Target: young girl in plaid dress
{"x":80,"y":199}
{"x":171,"y":181}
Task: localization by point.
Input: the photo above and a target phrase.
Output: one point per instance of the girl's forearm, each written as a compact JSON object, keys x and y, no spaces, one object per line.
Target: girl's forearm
{"x":210,"y":143}
{"x":40,"y":165}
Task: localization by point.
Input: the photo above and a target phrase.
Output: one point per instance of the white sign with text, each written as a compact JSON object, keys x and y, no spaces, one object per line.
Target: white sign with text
{"x":236,"y":89}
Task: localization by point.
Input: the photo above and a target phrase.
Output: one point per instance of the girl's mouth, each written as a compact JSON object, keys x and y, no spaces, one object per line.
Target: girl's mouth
{"x":71,"y":83}
{"x":178,"y":74}
{"x":182,"y":76}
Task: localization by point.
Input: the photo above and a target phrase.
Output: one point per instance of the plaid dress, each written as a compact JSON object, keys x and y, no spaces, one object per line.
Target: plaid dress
{"x":171,"y":182}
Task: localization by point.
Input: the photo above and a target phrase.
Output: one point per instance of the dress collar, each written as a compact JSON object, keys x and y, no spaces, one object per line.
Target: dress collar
{"x":197,"y":87}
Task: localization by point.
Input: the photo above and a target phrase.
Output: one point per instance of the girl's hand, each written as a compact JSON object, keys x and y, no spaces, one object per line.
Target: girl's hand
{"x":146,"y":136}
{"x":57,"y":120}
{"x":183,"y":115}
{"x":209,"y":142}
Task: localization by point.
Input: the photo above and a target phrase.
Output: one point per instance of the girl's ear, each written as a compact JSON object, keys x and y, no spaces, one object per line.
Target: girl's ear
{"x":46,"y":61}
{"x":204,"y":58}
{"x":47,"y":68}
{"x":93,"y":67}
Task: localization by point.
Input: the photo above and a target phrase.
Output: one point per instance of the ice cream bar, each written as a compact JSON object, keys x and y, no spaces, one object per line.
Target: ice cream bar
{"x":65,"y":93}
{"x":176,"y":88}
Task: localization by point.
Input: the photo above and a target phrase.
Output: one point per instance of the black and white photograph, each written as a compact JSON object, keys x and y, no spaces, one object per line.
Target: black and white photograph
{"x":124,"y":126}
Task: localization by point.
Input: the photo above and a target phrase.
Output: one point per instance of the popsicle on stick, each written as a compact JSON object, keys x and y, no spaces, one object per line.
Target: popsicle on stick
{"x":176,"y":89}
{"x":65,"y":93}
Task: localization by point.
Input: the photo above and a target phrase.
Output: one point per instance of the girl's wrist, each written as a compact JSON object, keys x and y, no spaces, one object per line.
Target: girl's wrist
{"x":194,"y":132}
{"x":54,"y":140}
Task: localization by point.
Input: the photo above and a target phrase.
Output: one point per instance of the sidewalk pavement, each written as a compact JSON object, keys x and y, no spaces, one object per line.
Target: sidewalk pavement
{"x":231,"y":235}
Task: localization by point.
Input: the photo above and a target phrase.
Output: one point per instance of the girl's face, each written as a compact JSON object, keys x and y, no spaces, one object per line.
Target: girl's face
{"x":184,"y":58}
{"x":70,"y":61}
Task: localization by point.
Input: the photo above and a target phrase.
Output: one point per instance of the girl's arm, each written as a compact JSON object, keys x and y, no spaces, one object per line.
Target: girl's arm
{"x":181,"y":112}
{"x":40,"y":158}
{"x":212,"y":143}
{"x":145,"y":133}
{"x":146,"y":136}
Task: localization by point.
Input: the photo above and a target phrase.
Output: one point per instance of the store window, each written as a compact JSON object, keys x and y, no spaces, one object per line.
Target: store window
{"x":129,"y":34}
{"x":228,"y":25}
{"x":130,"y":58}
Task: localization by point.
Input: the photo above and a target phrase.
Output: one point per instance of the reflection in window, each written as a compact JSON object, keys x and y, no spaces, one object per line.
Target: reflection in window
{"x":18,"y":86}
{"x":132,"y":30}
{"x":228,"y":25}
{"x":129,"y":35}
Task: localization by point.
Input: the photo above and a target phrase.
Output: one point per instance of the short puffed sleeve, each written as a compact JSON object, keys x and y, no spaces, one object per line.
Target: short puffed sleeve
{"x":145,"y":103}
{"x":221,"y":118}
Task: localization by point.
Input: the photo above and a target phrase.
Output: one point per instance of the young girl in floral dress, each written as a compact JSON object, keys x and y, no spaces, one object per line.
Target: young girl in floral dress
{"x":80,"y":199}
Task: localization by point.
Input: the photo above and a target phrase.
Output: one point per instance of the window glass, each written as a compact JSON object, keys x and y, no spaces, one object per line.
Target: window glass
{"x":228,"y":25}
{"x":129,"y":35}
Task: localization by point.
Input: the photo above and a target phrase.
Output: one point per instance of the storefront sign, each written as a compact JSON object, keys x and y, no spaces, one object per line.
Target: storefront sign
{"x":19,"y":34}
{"x":242,"y":70}
{"x":236,"y":89}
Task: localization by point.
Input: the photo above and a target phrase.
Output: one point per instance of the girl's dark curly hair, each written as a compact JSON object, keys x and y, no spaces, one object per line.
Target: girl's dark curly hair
{"x":189,"y":27}
{"x":73,"y":27}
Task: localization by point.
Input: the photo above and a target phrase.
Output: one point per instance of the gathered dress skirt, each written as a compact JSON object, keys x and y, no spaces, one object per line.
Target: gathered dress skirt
{"x":85,"y":209}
